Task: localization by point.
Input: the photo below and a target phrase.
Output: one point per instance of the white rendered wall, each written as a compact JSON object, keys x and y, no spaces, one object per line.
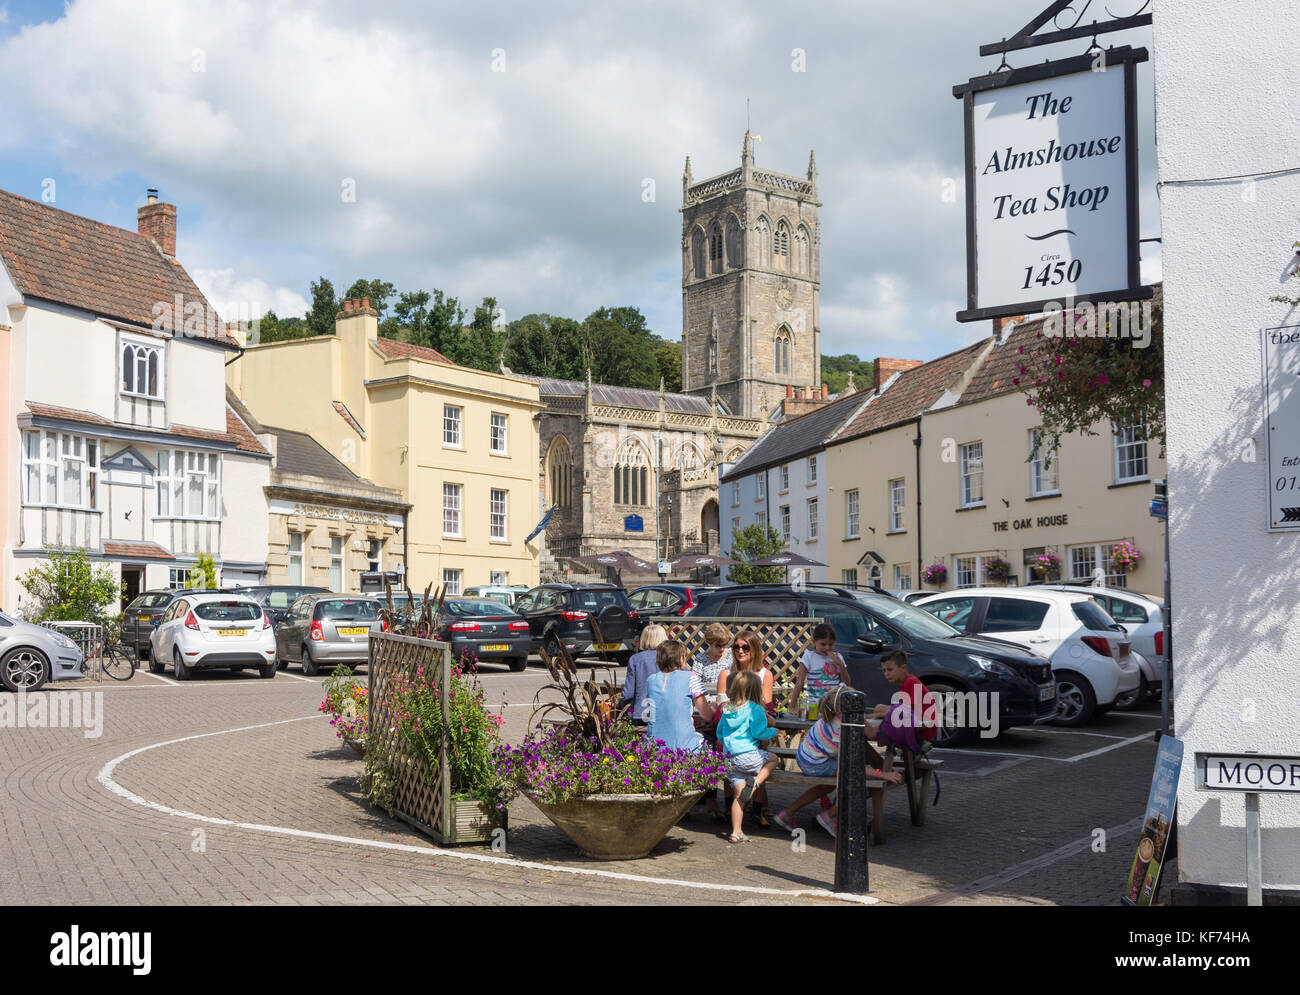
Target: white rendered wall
{"x":1226,"y":104}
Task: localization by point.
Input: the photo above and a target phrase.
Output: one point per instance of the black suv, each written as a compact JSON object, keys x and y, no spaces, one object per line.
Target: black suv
{"x":945,"y":661}
{"x":562,"y":614}
{"x":277,"y":599}
{"x":140,"y":616}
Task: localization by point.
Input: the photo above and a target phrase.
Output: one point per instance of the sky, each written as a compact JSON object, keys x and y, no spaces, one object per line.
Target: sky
{"x":528,"y":151}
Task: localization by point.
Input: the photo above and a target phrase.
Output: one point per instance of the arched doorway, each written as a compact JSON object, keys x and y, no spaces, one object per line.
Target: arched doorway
{"x":709,"y":525}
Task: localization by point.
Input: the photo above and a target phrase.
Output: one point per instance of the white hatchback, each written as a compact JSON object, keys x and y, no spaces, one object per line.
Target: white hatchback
{"x":1091,"y":656}
{"x":210,"y":631}
{"x":1143,"y":618}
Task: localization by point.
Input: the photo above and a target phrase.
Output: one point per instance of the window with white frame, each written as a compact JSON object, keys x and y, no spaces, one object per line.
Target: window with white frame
{"x":735,"y":527}
{"x":1091,"y":561}
{"x":336,"y":563}
{"x":498,"y":513}
{"x":897,"y":499}
{"x":295,"y":557}
{"x":972,"y":474}
{"x":761,"y":520}
{"x":498,"y":433}
{"x":814,"y":526}
{"x":812,"y":469}
{"x":902,"y":576}
{"x":178,"y":578}
{"x":1130,"y":453}
{"x":142,"y":369}
{"x":499,"y":578}
{"x":735,"y":493}
{"x":1043,"y":477}
{"x":60,"y":469}
{"x":451,"y":418}
{"x":785,"y":522}
{"x":785,"y":476}
{"x":451,"y":581}
{"x":851,"y":514}
{"x":189,"y":484}
{"x":451,"y":494}
{"x":849,"y":577}
{"x":761,"y":491}
{"x":966,"y":571}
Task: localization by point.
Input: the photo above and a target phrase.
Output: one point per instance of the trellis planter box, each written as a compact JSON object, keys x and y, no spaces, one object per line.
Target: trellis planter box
{"x":468,"y":821}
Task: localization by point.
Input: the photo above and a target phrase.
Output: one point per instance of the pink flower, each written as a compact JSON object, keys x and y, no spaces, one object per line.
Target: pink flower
{"x":1146,"y":383}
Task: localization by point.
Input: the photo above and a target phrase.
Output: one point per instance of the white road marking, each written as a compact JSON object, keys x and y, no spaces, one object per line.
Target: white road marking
{"x":105,"y":778}
{"x":296,"y":677}
{"x":1144,"y":738}
{"x":1074,"y":732}
{"x":158,"y":677}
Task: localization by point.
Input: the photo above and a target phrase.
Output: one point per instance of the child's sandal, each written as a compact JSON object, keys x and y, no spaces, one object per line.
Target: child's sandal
{"x":733,"y":838}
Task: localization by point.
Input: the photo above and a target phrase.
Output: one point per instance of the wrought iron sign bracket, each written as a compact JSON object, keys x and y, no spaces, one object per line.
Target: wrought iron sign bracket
{"x":1027,"y":38}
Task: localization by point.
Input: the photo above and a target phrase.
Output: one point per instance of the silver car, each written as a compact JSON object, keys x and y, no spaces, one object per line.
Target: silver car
{"x":324,"y":630}
{"x":30,"y":655}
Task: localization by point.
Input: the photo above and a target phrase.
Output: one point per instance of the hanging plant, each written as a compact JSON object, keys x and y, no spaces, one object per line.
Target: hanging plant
{"x":998,"y":569}
{"x":1124,"y":556}
{"x":935,"y":573}
{"x":1049,"y":564}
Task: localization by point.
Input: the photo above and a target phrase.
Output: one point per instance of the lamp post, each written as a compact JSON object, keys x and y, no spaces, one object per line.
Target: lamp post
{"x":658,"y":499}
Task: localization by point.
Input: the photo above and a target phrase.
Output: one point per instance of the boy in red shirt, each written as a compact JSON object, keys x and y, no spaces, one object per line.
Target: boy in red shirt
{"x":911,"y":692}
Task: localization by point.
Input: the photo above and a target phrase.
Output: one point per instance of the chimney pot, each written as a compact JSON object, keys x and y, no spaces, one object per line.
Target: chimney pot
{"x":789,"y":390}
{"x":152,"y":195}
{"x":365,"y":303}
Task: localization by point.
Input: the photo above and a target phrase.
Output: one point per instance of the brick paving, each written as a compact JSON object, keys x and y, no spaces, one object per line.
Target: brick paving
{"x":77,"y":842}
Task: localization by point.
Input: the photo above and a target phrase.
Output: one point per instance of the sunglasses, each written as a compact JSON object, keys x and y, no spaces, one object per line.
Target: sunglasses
{"x":740,"y":648}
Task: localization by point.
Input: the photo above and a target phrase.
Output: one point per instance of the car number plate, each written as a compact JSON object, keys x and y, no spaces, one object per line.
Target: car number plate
{"x":495,"y":647}
{"x":1047,"y":693}
{"x":353,"y":630}
{"x":233,"y":632}
{"x":606,"y":647}
{"x":143,"y":618}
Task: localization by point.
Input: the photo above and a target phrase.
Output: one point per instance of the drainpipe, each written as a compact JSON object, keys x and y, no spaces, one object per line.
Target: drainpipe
{"x":917,"y":443}
{"x":406,"y":555}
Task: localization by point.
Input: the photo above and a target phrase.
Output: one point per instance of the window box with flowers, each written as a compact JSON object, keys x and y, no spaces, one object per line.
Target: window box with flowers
{"x":935,"y":574}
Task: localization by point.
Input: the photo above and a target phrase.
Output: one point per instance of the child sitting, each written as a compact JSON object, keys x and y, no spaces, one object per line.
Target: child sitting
{"x":818,"y":756}
{"x":821,"y":668}
{"x":674,"y":695}
{"x":742,"y":726}
{"x":912,"y":711}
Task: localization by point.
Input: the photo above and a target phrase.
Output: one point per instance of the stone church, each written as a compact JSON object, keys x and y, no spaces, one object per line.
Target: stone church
{"x":616,"y":462}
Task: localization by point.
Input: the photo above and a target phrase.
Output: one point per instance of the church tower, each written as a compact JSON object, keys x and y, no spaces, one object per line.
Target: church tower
{"x":751,"y":277}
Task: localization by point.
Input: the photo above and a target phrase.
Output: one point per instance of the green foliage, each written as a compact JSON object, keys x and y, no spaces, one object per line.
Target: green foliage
{"x":68,"y":588}
{"x":669,"y":357}
{"x":379,"y":292}
{"x":543,"y":345}
{"x":756,"y":542}
{"x":835,"y":372}
{"x":203,"y":574}
{"x":379,"y":782}
{"x":1077,"y":379}
{"x":272,"y":328}
{"x":324,"y":306}
{"x":618,"y":348}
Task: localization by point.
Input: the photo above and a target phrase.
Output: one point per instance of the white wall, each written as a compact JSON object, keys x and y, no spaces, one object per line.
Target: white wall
{"x":196,"y":385}
{"x":244,"y":508}
{"x":1225,"y":105}
{"x":796,"y":497}
{"x":69,"y":361}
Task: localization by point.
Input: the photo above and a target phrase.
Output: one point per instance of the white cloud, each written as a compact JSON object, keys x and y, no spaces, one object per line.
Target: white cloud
{"x":241,"y":297}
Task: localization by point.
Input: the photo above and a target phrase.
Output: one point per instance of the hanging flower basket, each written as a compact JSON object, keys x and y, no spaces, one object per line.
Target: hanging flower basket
{"x":1124,"y":556}
{"x":1049,"y":565}
{"x":935,"y":574}
{"x":997,"y":569}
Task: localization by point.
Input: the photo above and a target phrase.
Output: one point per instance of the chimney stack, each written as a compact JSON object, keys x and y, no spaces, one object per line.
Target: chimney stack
{"x":789,"y":391}
{"x":883,"y":369}
{"x":158,"y":222}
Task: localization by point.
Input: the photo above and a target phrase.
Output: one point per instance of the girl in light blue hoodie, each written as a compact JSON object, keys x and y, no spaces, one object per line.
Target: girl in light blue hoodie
{"x":742,"y":726}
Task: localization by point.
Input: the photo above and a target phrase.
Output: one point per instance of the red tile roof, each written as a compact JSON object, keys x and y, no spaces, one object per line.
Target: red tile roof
{"x":346,"y":415}
{"x":113,"y":272}
{"x":405,"y":350}
{"x":141,"y":550}
{"x":236,"y":433}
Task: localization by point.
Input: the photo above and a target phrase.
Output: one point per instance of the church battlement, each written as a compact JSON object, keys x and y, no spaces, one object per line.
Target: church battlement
{"x":759,"y":179}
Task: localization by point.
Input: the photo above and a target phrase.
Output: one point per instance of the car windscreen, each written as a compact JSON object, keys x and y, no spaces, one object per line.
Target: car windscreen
{"x":353,"y":608}
{"x":595,"y":600}
{"x":145,"y":601}
{"x":228,"y":611}
{"x":1092,"y":615}
{"x":476,"y":608}
{"x":912,"y":620}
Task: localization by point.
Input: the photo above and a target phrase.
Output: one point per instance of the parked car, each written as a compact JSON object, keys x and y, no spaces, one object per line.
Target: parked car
{"x":205,"y":631}
{"x":324,"y":630}
{"x":910,"y":595}
{"x":507,"y":594}
{"x":30,"y":655}
{"x":945,"y":661}
{"x":1143,"y":618}
{"x":561,"y":614}
{"x":144,"y":610}
{"x":1091,"y":655}
{"x":486,"y":629}
{"x":277,"y":598}
{"x":665,"y":599}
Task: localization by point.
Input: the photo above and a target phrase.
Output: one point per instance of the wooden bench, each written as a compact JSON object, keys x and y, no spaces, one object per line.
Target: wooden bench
{"x":917,"y":775}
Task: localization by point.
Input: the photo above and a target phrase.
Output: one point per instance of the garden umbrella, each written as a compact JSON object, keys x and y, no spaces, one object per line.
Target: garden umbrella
{"x":786,"y":560}
{"x":691,"y":561}
{"x":620,"y":559}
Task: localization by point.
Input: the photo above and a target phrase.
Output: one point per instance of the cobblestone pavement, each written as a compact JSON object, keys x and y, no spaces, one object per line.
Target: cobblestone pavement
{"x":274,"y":817}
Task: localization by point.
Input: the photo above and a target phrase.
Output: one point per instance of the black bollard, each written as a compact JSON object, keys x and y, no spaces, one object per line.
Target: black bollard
{"x":851,"y":872}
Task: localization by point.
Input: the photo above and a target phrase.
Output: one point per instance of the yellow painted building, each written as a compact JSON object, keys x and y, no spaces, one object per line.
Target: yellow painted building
{"x":460,"y":445}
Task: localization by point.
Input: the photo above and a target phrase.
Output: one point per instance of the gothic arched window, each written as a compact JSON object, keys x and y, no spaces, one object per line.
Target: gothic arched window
{"x":735,"y":254}
{"x":764,"y":231}
{"x":631,"y":474}
{"x":715,"y":248}
{"x":560,"y":472}
{"x":802,"y":253}
{"x":698,"y":269}
{"x":782,"y":350}
{"x":781,"y":245}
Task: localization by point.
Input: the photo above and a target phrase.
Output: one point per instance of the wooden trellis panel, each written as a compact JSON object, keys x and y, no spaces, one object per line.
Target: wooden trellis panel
{"x":784,"y":641}
{"x":420,"y":800}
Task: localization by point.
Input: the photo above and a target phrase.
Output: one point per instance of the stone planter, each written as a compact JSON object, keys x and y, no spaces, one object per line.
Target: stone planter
{"x":358,"y":744}
{"x":618,"y":827}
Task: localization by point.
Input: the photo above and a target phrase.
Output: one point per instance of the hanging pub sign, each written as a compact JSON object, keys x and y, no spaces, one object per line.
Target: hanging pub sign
{"x":1051,"y":185}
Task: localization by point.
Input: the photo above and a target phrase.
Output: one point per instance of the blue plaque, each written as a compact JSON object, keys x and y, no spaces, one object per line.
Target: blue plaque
{"x":633,"y":523}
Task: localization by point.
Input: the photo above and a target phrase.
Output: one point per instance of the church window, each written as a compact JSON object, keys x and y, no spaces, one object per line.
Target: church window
{"x":715,"y":248}
{"x":561,"y":472}
{"x":781,"y":242}
{"x":783,"y":351}
{"x":735,"y":255}
{"x":698,"y":268}
{"x":764,"y":242}
{"x":631,"y":474}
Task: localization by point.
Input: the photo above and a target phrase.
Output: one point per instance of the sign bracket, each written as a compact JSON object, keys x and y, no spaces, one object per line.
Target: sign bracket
{"x":1027,"y":36}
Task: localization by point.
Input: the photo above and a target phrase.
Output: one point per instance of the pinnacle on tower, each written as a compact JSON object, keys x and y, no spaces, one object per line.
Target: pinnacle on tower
{"x":687,"y":174}
{"x":812,"y":165}
{"x":747,"y":152}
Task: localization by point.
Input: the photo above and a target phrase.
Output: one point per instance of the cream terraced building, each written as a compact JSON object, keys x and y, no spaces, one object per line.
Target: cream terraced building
{"x":938,"y":466}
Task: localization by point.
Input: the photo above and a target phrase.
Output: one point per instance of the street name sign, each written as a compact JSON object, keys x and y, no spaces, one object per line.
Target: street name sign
{"x":1051,"y":185}
{"x":1247,"y":772}
{"x":1281,"y":351}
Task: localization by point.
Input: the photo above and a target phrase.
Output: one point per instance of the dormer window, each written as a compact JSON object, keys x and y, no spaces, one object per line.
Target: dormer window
{"x":142,"y":370}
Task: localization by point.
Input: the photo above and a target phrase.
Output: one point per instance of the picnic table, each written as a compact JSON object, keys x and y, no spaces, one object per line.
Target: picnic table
{"x":917,"y":772}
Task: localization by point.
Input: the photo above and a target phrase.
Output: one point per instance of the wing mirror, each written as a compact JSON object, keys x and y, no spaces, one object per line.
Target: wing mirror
{"x":870,"y":645}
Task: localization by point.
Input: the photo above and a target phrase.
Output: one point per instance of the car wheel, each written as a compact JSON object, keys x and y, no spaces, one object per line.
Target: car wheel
{"x":155,"y":667}
{"x":24,"y":669}
{"x":553,"y":648}
{"x":182,"y":672}
{"x":308,"y":664}
{"x":1075,"y":700}
{"x":949,"y":734}
{"x":519,"y":664}
{"x":1134,"y":699}
{"x":268,"y":669}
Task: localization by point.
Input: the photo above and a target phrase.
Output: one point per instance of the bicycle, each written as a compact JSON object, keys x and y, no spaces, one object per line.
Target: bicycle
{"x":117,"y":661}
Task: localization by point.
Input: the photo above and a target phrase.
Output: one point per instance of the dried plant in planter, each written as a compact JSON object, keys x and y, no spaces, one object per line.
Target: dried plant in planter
{"x":410,"y":620}
{"x":589,"y":707}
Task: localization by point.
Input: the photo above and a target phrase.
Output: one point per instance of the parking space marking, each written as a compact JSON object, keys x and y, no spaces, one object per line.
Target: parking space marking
{"x":105,"y":778}
{"x":1072,"y":732}
{"x":296,"y":677}
{"x":1144,"y":738}
{"x":158,"y":677}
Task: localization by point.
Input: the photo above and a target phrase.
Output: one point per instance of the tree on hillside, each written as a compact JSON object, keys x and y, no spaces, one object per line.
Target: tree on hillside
{"x":668,"y":356}
{"x":379,"y":292}
{"x":272,"y":328}
{"x":479,"y":343}
{"x":618,"y":348}
{"x":835,"y":372}
{"x":755,"y":542}
{"x":543,"y":345}
{"x":324,"y":306}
